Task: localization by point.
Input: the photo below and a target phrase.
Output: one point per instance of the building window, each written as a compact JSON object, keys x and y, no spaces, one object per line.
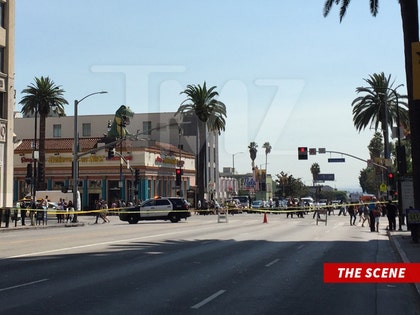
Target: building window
{"x":3,"y":107}
{"x":147,"y":126}
{"x":2,"y":9}
{"x":86,"y":130}
{"x":56,"y":131}
{"x":2,"y":59}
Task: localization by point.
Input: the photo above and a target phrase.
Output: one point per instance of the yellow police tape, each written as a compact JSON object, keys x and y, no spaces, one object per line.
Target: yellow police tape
{"x":116,"y":211}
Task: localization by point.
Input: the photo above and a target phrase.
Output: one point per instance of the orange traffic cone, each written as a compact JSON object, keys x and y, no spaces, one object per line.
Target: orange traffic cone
{"x":265,"y":218}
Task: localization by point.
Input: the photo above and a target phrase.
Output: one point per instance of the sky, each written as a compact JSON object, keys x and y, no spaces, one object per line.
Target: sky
{"x":286,"y":74}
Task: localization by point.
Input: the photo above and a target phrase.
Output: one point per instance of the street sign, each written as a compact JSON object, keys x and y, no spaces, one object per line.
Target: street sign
{"x":383,"y":188}
{"x":336,"y":160}
{"x":324,"y":177}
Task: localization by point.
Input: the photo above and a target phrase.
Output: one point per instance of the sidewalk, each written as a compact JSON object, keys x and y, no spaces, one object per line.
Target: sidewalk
{"x":50,"y":223}
{"x":406,"y":248}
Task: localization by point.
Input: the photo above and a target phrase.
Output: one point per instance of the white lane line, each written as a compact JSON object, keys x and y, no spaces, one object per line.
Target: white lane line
{"x":23,"y":285}
{"x":272,"y":262}
{"x":207,"y":300}
{"x":90,"y":245}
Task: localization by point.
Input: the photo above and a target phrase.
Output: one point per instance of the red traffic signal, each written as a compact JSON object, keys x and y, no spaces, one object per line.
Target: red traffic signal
{"x":178,"y":179}
{"x":391,"y":179}
{"x":302,"y":153}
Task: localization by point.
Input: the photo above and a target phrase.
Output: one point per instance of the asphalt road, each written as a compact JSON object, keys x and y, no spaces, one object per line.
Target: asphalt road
{"x":196,"y":266}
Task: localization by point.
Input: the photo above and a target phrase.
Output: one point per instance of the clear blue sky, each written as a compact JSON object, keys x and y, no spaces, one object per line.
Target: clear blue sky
{"x":286,"y":74}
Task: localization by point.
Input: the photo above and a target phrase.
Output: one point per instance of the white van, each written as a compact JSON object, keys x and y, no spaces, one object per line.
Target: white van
{"x":244,"y":200}
{"x":307,"y":201}
{"x":54,"y":196}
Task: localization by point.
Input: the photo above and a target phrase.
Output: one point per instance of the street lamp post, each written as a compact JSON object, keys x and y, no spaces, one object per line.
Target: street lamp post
{"x":233,"y":161}
{"x":180,"y":164}
{"x":400,"y":170}
{"x":400,"y":157}
{"x":76,"y":154}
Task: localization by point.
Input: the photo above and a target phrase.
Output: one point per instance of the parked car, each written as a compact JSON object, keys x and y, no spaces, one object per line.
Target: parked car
{"x":162,"y":208}
{"x":256,"y":204}
{"x":307,"y":201}
{"x":244,"y":200}
{"x":322,"y":203}
{"x":233,"y":205}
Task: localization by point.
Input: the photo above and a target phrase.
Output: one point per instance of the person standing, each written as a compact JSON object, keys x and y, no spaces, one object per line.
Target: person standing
{"x":70,"y":211}
{"x":290,"y":205}
{"x":372,"y":208}
{"x":32,"y":210}
{"x":22,"y":212}
{"x":352,"y":214}
{"x":391,"y":213}
{"x":342,"y":208}
{"x":377,"y":215}
{"x":365,"y":216}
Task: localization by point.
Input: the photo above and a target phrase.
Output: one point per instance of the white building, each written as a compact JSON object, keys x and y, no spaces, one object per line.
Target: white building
{"x":7,"y":100}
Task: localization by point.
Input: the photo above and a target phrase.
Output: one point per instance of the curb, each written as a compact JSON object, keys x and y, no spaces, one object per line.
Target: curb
{"x":4,"y":229}
{"x":396,"y":243}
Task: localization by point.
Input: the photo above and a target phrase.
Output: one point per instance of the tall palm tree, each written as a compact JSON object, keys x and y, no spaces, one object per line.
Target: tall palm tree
{"x":253,"y":153}
{"x":267,"y":148}
{"x":378,"y":106}
{"x":410,"y":23}
{"x":211,"y":113}
{"x":315,"y":170}
{"x":42,"y":98}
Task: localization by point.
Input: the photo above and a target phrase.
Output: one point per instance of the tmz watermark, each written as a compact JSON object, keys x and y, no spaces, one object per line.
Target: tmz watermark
{"x":255,"y":107}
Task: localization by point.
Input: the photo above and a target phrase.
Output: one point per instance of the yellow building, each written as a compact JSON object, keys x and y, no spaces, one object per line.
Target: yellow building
{"x":102,"y":177}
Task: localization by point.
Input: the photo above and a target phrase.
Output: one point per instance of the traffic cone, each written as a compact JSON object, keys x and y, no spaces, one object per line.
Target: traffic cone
{"x":265,"y":218}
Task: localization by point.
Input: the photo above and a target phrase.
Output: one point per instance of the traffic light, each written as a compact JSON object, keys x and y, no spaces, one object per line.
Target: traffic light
{"x":136,"y":176}
{"x":111,"y":153}
{"x":302,"y":153}
{"x":401,"y":159}
{"x":28,"y":178}
{"x":391,"y":179}
{"x":178,"y":174}
{"x":41,"y":172}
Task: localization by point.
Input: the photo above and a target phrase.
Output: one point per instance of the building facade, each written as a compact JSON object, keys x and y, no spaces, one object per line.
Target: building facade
{"x":161,"y":145}
{"x":105,"y":177}
{"x":7,"y":100}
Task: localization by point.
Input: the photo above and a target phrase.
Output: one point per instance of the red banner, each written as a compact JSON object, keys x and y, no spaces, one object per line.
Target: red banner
{"x":371,"y":272}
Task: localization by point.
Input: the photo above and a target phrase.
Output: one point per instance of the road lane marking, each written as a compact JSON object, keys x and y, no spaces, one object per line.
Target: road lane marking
{"x":272,"y":262}
{"x":209,"y":299}
{"x":90,"y":245}
{"x":23,"y":285}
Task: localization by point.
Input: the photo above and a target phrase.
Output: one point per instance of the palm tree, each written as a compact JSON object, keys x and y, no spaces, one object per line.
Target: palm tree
{"x":253,"y":152}
{"x":42,"y":98}
{"x":211,"y":113}
{"x":315,"y":170}
{"x":410,"y":23}
{"x":378,"y":106}
{"x":267,"y":148}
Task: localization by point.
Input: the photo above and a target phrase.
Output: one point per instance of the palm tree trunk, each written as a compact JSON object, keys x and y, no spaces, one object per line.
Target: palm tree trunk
{"x":41,"y":165}
{"x":410,"y":23}
{"x":202,"y":161}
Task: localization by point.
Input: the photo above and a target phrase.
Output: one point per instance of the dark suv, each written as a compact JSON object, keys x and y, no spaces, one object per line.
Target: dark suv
{"x":162,"y":208}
